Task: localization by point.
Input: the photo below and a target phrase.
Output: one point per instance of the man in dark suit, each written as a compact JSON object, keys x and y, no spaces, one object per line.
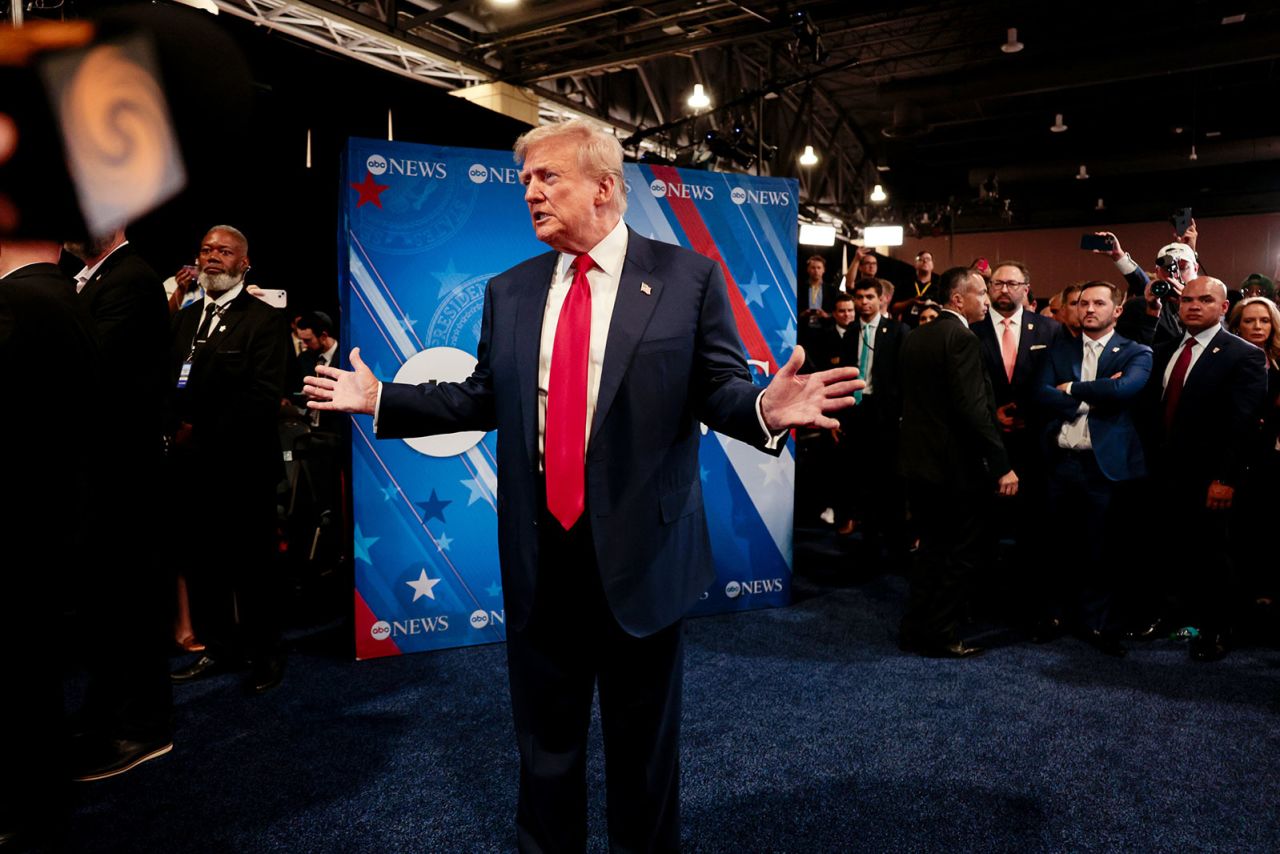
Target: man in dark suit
{"x":1087,"y":390}
{"x":952,"y":458}
{"x":1201,"y":408}
{"x":601,"y":535}
{"x":128,"y":707}
{"x":1015,"y":341}
{"x":227,"y":365}
{"x":870,"y":429}
{"x":816,"y":300}
{"x":822,"y":469}
{"x":44,"y":508}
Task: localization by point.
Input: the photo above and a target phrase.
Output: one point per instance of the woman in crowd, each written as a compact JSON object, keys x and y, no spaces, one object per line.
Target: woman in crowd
{"x":928,"y":312}
{"x":1256,"y":320}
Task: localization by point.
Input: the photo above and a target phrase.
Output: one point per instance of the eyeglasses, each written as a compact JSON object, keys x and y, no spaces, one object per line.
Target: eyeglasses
{"x":1004,"y":285}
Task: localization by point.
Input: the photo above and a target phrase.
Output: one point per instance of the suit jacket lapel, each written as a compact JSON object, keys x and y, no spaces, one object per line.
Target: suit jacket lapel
{"x":631,"y":313}
{"x":530,"y":308}
{"x":1077,"y":359}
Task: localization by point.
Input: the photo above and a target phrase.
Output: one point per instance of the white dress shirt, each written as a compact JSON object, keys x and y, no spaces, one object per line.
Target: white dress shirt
{"x":1202,"y":341}
{"x":1074,"y":435}
{"x":609,"y":255}
{"x":222,"y":301}
{"x":1015,"y":326}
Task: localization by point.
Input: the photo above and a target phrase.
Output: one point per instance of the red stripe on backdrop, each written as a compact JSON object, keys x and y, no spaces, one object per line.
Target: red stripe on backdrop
{"x":696,"y":230}
{"x":366,"y":645}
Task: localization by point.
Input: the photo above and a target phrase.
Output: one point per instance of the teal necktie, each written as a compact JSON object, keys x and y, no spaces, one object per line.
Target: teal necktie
{"x":862,"y":360}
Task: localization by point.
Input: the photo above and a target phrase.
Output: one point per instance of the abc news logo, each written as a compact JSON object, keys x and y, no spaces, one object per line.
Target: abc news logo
{"x":481,"y":174}
{"x":379,"y":165}
{"x":741,"y":195}
{"x":479,"y":619}
{"x":734,"y":589}
{"x":661,"y":189}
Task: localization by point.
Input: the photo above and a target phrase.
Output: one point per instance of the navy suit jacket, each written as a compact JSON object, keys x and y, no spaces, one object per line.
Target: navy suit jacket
{"x":1112,"y":429}
{"x":1217,"y":412}
{"x":1038,"y":334}
{"x":673,"y":359}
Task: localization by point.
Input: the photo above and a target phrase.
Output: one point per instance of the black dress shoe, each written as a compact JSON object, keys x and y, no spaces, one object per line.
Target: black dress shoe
{"x":203,"y":668}
{"x":959,"y":649}
{"x":264,"y":674}
{"x":1156,"y":628}
{"x":1210,"y":646}
{"x":1107,"y":643}
{"x":1046,"y":630}
{"x":99,"y":759}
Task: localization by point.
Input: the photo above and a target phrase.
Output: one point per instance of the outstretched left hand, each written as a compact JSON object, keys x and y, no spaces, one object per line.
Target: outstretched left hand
{"x":794,"y":399}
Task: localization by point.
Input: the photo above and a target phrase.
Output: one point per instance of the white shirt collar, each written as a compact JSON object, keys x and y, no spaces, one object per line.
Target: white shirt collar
{"x":609,"y":254}
{"x":1103,"y":341}
{"x":1202,"y":338}
{"x":997,"y":319}
{"x":224,"y":299}
{"x":875,"y":321}
{"x":959,"y":315}
{"x":87,"y":273}
{"x":328,"y":354}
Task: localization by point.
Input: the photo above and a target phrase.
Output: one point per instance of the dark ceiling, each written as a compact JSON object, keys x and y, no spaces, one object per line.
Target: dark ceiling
{"x":917,"y":97}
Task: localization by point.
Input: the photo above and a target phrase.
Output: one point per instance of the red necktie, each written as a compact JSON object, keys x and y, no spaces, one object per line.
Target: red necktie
{"x":1173,"y":390}
{"x":564,"y":455}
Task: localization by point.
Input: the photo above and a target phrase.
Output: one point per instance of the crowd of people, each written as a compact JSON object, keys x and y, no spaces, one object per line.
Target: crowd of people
{"x":168,"y":469}
{"x":1006,"y":463}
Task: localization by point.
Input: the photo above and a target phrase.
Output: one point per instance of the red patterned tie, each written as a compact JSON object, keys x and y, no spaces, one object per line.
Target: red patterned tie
{"x":564,"y":455}
{"x":1173,"y":390}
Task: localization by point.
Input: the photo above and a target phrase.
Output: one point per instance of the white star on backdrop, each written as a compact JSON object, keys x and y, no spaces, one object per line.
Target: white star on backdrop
{"x":424,"y":586}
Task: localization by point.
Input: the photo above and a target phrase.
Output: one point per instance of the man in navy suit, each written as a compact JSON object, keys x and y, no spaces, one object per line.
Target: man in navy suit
{"x":1088,"y":389}
{"x":1015,"y":341}
{"x":1201,"y":407}
{"x":596,"y":363}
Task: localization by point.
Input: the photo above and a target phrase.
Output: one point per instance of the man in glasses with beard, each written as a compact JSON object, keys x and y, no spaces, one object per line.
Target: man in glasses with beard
{"x":227,"y":369}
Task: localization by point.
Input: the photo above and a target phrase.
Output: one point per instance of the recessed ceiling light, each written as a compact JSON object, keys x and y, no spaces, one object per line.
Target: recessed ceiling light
{"x":1232,"y":19}
{"x":1212,"y":134}
{"x":1177,"y":130}
{"x":882,"y":167}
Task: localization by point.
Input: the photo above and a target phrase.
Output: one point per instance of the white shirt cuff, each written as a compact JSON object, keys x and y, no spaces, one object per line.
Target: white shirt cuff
{"x":377,"y":407}
{"x":1126,"y":265}
{"x":770,"y":439}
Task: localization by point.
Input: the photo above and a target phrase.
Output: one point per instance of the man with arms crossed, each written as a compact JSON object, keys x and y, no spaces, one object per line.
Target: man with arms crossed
{"x":596,"y":363}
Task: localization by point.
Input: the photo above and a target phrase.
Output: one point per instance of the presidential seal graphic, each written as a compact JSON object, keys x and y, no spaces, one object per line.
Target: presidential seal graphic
{"x":436,"y":365}
{"x":427,"y":202}
{"x":456,"y":319}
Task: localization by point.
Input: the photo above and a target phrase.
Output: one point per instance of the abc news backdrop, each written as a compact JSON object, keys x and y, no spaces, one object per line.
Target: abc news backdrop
{"x":422,"y":229}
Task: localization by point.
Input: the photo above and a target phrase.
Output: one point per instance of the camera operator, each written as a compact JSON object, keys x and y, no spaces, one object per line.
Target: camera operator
{"x":1176,"y":264}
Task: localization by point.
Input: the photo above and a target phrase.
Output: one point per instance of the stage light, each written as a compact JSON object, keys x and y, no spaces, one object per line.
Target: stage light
{"x":882,"y":235}
{"x":812,"y":234}
{"x":699,"y":100}
{"x":808,"y":158}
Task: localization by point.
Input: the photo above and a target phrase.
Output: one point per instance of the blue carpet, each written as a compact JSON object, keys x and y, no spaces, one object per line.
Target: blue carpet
{"x":805,"y":729}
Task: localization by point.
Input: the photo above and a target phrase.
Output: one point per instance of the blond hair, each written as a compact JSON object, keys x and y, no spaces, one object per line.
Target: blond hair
{"x":599,"y":152}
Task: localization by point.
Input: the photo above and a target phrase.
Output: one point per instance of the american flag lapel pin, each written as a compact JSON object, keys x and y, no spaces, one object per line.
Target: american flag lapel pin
{"x":1216,"y":349}
{"x":1115,"y":349}
{"x":645,"y":289}
{"x":1031,"y":327}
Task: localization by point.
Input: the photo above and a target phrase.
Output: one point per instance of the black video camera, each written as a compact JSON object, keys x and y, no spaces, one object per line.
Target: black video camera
{"x":1162,"y":288}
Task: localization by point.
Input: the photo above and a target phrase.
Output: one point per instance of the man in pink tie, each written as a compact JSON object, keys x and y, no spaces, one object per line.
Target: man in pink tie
{"x":596,"y":363}
{"x":1015,"y":345}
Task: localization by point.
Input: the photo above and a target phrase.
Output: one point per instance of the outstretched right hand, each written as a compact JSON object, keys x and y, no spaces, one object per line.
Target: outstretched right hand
{"x":336,"y":390}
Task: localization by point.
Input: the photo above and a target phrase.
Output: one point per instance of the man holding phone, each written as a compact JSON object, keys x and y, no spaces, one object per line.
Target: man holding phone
{"x":1182,"y":250}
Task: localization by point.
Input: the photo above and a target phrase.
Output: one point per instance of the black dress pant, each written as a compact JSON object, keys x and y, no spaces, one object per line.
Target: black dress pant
{"x":949,"y":521}
{"x":571,"y":645}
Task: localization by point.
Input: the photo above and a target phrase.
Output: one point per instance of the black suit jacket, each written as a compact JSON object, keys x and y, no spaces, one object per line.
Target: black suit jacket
{"x":949,"y":434}
{"x":232,"y":398}
{"x":125,"y":298}
{"x":1217,"y":413}
{"x":46,"y":348}
{"x":886,"y":372}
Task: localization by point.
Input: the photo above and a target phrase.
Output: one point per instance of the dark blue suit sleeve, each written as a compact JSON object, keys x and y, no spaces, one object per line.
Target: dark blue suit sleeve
{"x":1055,"y":404}
{"x":430,"y":408}
{"x":1134,"y":374}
